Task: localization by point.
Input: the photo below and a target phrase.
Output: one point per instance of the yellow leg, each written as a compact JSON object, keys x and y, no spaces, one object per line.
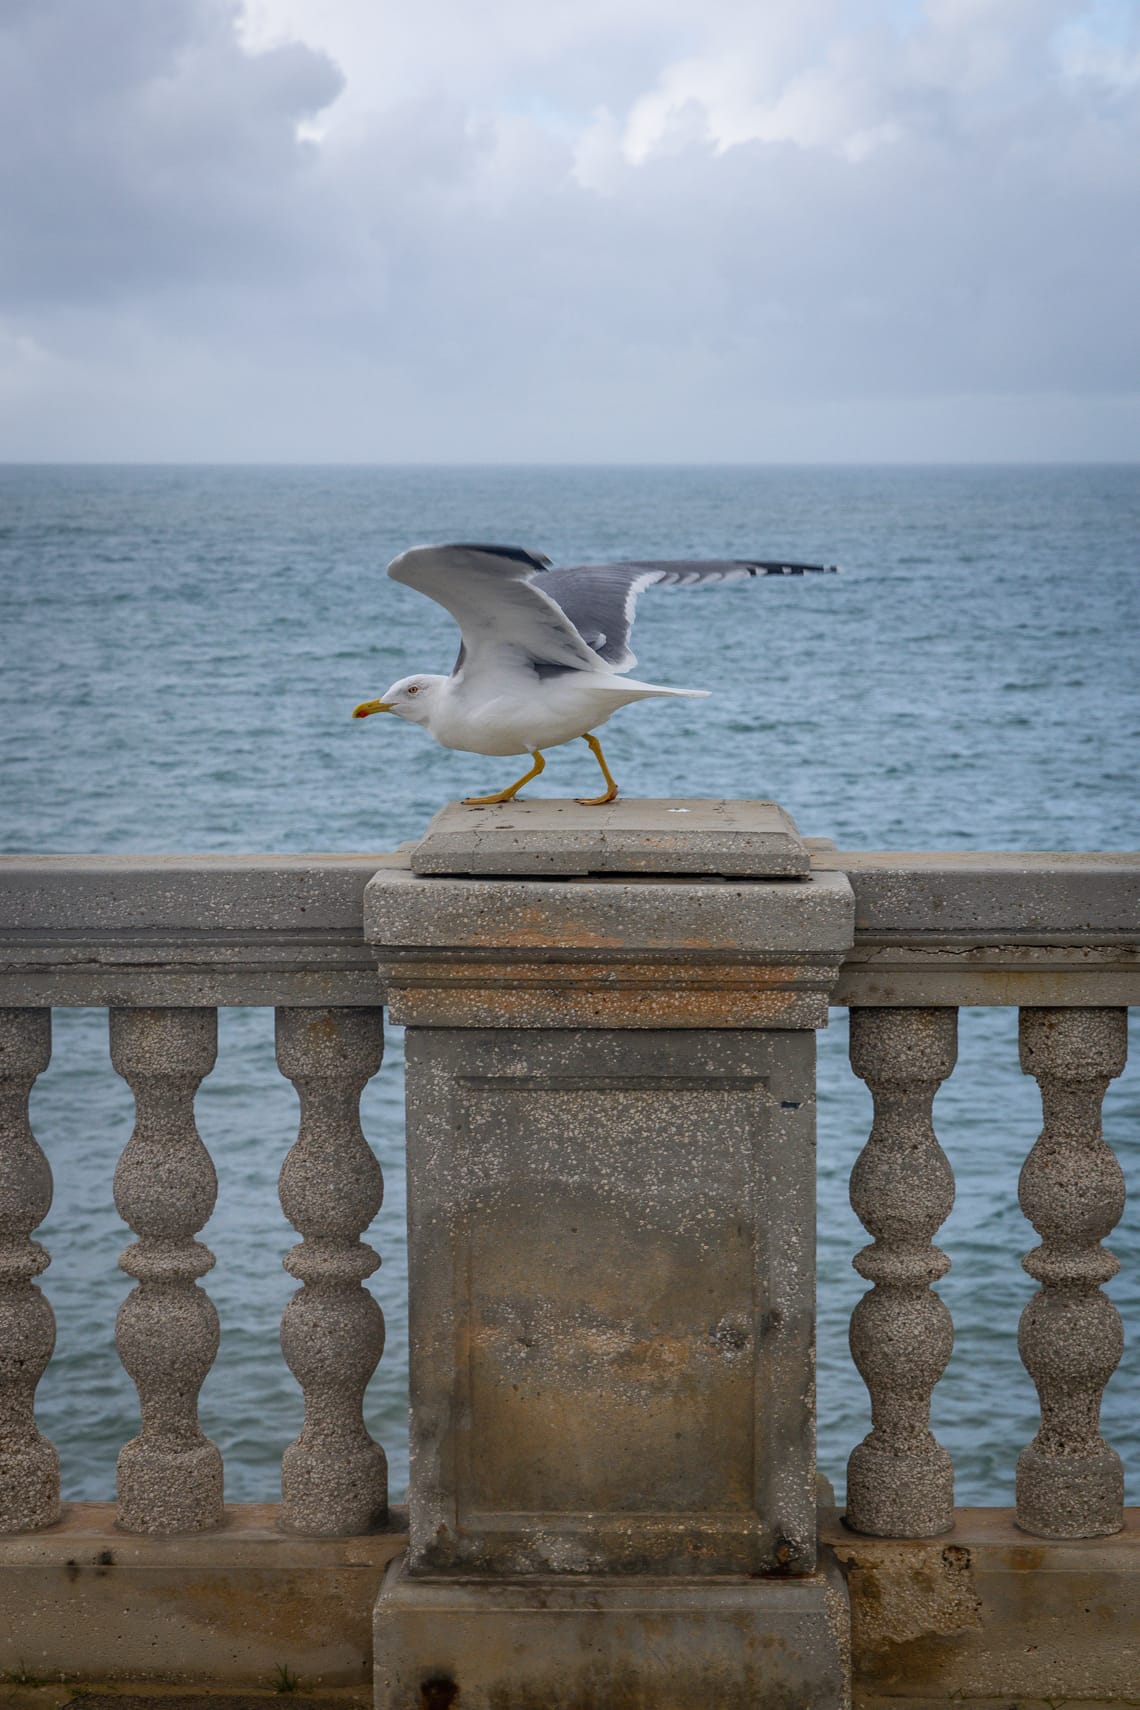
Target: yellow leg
{"x":511,"y":790}
{"x":612,"y":789}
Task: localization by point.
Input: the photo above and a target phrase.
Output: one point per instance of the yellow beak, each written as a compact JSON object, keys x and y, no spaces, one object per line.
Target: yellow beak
{"x":366,"y":707}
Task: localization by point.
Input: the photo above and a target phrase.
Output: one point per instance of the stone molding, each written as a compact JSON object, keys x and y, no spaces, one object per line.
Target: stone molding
{"x":185,"y":930}
{"x":628,"y":953}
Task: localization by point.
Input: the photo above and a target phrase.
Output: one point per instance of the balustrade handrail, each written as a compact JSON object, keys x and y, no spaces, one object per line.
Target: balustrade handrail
{"x":930,"y":928}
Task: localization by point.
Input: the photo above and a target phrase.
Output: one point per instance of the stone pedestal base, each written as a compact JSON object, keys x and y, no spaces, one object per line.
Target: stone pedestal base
{"x":610,"y":1644}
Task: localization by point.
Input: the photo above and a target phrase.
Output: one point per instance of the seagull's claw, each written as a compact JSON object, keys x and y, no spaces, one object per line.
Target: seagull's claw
{"x":512,"y":790}
{"x":611,"y":783}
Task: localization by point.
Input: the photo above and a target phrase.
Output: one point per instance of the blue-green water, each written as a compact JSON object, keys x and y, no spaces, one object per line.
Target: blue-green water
{"x":182,"y":649}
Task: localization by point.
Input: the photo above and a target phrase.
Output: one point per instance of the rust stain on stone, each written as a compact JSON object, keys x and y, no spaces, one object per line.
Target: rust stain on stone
{"x":1028,"y":1558}
{"x":908,"y":1607}
{"x":289,"y":1610}
{"x":655,"y":1357}
{"x":532,"y":926}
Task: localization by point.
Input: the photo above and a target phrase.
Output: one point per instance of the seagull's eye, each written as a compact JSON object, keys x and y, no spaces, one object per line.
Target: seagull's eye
{"x":413,"y":688}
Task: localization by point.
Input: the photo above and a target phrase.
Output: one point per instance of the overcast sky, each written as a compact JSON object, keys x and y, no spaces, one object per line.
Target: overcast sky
{"x":584,"y":230}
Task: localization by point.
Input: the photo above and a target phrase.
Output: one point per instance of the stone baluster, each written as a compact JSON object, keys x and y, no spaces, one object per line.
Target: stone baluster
{"x":170,"y":1475}
{"x":1069,"y":1481}
{"x":29,"y":1465}
{"x":334,"y":1477}
{"x":900,"y":1481}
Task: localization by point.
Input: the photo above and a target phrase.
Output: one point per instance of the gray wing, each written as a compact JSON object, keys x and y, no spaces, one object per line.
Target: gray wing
{"x":491,"y":593}
{"x":600,"y":599}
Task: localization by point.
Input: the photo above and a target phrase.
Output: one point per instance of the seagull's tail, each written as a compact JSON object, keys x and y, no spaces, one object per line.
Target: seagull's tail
{"x":630,"y":689}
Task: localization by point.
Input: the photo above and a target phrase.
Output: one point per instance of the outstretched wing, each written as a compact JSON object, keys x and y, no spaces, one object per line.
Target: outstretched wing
{"x":491,"y":594}
{"x":600,"y":599}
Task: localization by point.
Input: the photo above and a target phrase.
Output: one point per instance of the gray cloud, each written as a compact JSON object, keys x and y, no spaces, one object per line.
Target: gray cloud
{"x":770,"y":235}
{"x":151,"y":150}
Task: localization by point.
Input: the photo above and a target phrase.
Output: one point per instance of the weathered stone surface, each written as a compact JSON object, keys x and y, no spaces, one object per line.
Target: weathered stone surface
{"x":1004,"y":1619}
{"x":632,"y":953}
{"x":186,"y":930}
{"x":900,"y":1482}
{"x":29,"y":1464}
{"x":89,"y":1603}
{"x":995,"y":894}
{"x":943,"y":928}
{"x":602,"y":1644}
{"x":207,"y":893}
{"x":989,"y":1618}
{"x":611,"y":1256}
{"x":334,"y":1477}
{"x":930,"y":973}
{"x":1070,"y":1483}
{"x":735,"y":918}
{"x":558,"y":838}
{"x":965,"y":927}
{"x":170,"y":1475}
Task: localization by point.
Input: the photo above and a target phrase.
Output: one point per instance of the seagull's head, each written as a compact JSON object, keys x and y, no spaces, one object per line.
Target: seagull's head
{"x":412,"y":698}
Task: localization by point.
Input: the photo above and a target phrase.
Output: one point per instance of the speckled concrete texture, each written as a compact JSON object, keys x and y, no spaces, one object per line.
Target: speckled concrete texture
{"x":1004,"y":1619}
{"x":1070,"y":1482}
{"x":932,"y":928}
{"x":637,"y":953}
{"x":998,"y":893}
{"x":557,"y":838}
{"x":900,"y":1482}
{"x":611,"y":1256}
{"x":334,"y":1476}
{"x":742,"y":918}
{"x":170,"y":1475}
{"x":725,"y":1644}
{"x":982,"y":927}
{"x":611,"y":1277}
{"x":210,"y":1610}
{"x":990,"y":1618}
{"x":29,"y":1464}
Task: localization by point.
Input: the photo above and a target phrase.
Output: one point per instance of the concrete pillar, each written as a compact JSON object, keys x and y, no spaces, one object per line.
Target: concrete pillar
{"x":611,"y":1182}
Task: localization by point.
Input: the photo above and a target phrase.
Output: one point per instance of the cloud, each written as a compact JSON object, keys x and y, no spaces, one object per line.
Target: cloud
{"x":327,"y":228}
{"x":151,"y":149}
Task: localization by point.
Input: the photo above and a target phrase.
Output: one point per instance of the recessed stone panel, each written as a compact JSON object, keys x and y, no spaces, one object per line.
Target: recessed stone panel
{"x":611,"y":1301}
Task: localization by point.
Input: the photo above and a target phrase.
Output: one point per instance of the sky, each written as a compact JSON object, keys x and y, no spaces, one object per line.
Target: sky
{"x":587,"y":231}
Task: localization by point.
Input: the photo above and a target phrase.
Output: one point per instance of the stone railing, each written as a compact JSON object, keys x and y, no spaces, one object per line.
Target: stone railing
{"x":1059,"y":936}
{"x":162,"y":943}
{"x":903,"y":940}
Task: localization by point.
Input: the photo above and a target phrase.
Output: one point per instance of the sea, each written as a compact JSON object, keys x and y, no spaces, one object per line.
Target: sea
{"x":181,"y":651}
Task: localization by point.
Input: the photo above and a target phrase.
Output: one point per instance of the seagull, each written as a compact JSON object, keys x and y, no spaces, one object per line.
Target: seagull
{"x":543,"y":652}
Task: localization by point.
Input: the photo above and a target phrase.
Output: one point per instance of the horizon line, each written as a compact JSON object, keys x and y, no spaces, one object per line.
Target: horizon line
{"x":569,"y":463}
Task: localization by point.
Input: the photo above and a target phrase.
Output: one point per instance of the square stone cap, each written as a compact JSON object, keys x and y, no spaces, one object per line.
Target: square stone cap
{"x":732,"y":839}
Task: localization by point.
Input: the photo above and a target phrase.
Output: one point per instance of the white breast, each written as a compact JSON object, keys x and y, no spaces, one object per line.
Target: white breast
{"x":513,"y":711}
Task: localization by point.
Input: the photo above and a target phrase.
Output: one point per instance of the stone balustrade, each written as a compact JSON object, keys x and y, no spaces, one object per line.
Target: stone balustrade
{"x":162,"y":942}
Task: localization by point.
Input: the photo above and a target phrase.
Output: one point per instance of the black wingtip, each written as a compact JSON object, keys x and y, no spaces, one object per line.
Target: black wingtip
{"x":517,"y":554}
{"x":769,"y":567}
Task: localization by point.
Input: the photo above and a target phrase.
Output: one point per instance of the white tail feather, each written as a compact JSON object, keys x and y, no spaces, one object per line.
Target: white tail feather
{"x":622,"y":686}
